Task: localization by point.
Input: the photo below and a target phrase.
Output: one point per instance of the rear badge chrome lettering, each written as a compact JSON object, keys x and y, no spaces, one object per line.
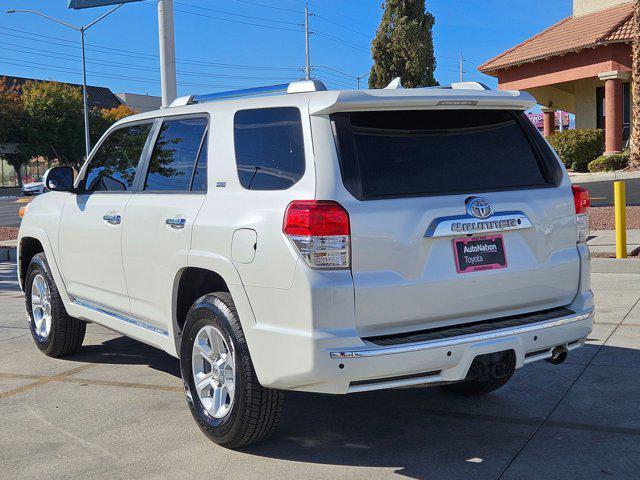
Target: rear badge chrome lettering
{"x":466,"y":224}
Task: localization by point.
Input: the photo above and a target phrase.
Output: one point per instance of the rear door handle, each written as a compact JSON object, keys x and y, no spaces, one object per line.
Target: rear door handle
{"x":176,"y":222}
{"x":112,"y":219}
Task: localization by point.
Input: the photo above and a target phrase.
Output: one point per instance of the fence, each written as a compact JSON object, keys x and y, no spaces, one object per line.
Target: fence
{"x":30,"y":172}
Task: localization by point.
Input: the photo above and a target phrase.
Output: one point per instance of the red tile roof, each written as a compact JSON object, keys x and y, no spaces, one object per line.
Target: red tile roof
{"x":569,"y":35}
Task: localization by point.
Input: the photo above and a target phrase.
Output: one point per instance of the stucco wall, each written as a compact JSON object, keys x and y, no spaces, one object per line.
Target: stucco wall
{"x":583,"y":7}
{"x":585,"y":95}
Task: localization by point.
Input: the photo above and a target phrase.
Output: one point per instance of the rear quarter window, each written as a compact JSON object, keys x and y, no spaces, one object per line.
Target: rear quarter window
{"x":269,"y":148}
{"x":440,"y":152}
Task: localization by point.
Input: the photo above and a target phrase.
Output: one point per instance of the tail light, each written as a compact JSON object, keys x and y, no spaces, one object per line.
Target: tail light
{"x":320,"y":230}
{"x":582,"y":203}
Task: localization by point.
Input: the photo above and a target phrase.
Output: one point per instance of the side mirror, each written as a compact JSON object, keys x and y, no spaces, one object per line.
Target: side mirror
{"x":59,"y":179}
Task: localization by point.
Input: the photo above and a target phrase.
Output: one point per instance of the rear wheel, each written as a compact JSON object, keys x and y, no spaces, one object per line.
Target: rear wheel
{"x":223,"y":393}
{"x":54,"y":332}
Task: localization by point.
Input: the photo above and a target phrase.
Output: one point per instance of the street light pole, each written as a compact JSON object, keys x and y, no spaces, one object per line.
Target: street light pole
{"x":85,"y":103}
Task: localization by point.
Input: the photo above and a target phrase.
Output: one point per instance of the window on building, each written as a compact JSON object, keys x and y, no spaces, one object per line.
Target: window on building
{"x":269,"y":148}
{"x":175,"y":154}
{"x":113,"y":167}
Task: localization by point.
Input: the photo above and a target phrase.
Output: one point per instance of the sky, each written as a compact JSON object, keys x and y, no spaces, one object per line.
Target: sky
{"x":227,"y":44}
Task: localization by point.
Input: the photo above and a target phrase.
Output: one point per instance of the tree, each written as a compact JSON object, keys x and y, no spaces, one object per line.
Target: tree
{"x":103,"y":118}
{"x":635,"y":87}
{"x":403,"y":46}
{"x":54,"y":121}
{"x":12,"y":131}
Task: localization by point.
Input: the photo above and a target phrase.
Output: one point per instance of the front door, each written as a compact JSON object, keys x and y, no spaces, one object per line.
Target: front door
{"x":91,"y":224}
{"x":156,"y":234}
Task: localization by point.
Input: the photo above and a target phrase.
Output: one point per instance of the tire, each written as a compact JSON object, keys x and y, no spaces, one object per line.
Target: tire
{"x":64,"y":334}
{"x":470,"y":388}
{"x":252,"y":413}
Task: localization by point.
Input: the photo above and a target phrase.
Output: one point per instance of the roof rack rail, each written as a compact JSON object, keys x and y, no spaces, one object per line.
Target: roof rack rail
{"x":302,"y":86}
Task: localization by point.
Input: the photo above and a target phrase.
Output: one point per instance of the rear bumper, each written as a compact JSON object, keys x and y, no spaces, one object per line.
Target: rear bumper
{"x":464,"y":339}
{"x":324,"y":363}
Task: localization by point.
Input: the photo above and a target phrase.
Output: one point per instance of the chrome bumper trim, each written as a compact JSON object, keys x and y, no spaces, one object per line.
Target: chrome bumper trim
{"x":449,"y":342}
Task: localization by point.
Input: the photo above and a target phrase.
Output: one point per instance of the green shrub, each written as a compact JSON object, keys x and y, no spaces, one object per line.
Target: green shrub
{"x":577,"y":148}
{"x":610,"y":163}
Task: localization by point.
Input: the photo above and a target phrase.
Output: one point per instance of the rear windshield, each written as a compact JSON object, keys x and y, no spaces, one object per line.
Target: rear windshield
{"x":439,"y":152}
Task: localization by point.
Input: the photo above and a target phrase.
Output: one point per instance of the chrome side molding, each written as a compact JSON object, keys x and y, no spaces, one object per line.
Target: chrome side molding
{"x":449,"y":342}
{"x":123,"y":318}
{"x":466,"y":224}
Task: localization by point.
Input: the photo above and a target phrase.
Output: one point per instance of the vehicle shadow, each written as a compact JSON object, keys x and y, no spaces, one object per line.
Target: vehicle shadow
{"x":426,"y":433}
{"x":126,"y":351}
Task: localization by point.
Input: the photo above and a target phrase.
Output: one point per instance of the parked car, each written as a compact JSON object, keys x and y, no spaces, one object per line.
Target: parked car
{"x":33,"y":188}
{"x":293,"y":238}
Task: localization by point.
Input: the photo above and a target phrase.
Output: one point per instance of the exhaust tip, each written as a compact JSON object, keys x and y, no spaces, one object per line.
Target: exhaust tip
{"x":558,"y":355}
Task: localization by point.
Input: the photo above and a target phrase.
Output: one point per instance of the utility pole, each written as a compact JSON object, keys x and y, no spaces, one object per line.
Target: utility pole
{"x":461,"y":67}
{"x":307,"y":69}
{"x":167,"y":52}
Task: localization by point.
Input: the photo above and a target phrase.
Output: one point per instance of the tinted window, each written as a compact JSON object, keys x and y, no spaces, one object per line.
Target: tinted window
{"x":113,"y":167}
{"x":174,"y":155}
{"x":269,"y":148}
{"x":431,"y":152}
{"x":199,"y":183}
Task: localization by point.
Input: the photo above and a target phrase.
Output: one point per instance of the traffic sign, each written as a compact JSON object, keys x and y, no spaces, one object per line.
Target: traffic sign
{"x":78,"y":4}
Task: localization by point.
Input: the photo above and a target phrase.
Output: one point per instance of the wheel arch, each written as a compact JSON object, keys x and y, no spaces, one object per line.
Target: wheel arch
{"x":32,"y":241}
{"x":207,"y":273}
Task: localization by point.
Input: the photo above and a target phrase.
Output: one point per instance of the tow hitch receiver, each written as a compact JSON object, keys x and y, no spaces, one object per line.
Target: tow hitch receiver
{"x":492,"y":365}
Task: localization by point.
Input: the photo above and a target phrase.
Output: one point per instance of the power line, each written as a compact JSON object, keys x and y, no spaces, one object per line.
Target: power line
{"x":63,"y":56}
{"x":134,"y":54}
{"x":198,"y":7}
{"x":240,"y":22}
{"x":342,"y":26}
{"x":342,"y":42}
{"x":22,"y":63}
{"x":257,"y":4}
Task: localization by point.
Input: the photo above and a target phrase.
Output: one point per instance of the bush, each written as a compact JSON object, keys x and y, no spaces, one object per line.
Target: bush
{"x":577,"y":148}
{"x":610,"y":163}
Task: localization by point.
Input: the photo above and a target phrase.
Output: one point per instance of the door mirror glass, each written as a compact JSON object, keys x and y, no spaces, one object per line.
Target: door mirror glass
{"x":59,"y":179}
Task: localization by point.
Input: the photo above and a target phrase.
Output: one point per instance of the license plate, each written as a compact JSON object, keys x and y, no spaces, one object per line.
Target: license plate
{"x":479,"y":253}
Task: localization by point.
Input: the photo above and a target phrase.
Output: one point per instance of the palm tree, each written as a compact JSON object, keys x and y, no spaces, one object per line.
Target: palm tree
{"x":635,"y":87}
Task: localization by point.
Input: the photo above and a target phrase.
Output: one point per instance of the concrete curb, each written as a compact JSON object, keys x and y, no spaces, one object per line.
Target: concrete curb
{"x":8,"y":254}
{"x":614,"y":265}
{"x":602,"y":176}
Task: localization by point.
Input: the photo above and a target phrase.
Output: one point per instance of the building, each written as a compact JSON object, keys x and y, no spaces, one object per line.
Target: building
{"x":140,"y":103}
{"x":581,"y":65}
{"x":97,"y":97}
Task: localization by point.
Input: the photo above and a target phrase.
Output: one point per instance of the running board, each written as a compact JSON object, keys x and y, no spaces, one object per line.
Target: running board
{"x":118,"y":316}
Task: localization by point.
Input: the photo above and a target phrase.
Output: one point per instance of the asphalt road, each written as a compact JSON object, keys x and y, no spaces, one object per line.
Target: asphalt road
{"x":9,"y":210}
{"x":116,"y":410}
{"x":602,"y":192}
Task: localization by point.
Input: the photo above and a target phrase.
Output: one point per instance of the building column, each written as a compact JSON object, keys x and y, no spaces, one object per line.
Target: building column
{"x":613,"y":109}
{"x":549,"y":121}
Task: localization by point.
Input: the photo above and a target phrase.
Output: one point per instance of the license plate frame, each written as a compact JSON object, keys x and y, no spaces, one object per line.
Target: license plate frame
{"x":482,"y":258}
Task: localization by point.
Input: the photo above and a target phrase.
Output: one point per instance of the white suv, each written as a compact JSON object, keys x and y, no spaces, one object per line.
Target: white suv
{"x":293,"y":238}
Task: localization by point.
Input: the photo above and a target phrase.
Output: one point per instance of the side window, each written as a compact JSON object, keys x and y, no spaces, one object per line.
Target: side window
{"x":269,"y":148}
{"x":113,"y":167}
{"x":174,"y":155}
{"x":199,"y":183}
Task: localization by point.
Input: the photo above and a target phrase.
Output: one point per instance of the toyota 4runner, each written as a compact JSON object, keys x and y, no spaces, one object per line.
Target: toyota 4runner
{"x":293,"y":238}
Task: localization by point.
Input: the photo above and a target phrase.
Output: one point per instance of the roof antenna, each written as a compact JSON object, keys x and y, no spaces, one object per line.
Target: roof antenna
{"x":394,"y":84}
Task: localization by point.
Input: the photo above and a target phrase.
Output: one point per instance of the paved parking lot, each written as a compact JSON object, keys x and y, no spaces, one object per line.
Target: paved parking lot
{"x":116,"y":410}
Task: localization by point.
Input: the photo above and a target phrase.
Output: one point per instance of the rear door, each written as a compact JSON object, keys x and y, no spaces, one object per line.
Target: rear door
{"x":157,"y":230}
{"x":456,"y":215}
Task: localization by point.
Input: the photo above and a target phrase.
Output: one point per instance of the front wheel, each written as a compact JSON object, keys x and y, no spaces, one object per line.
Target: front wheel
{"x":223,"y":393}
{"x":55,"y":333}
